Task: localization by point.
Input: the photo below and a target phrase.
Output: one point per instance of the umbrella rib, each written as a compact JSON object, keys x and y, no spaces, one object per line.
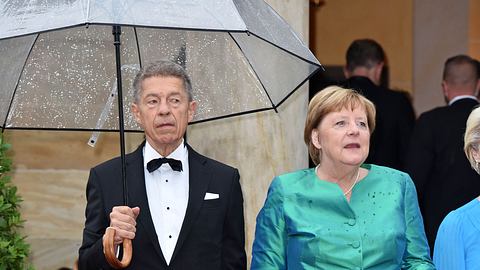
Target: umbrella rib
{"x":287,"y":51}
{"x":74,"y":129}
{"x":138,"y":46}
{"x":16,"y":85}
{"x":250,"y":64}
{"x":47,"y":31}
{"x":87,"y":16}
{"x":86,"y":24}
{"x":231,"y":115}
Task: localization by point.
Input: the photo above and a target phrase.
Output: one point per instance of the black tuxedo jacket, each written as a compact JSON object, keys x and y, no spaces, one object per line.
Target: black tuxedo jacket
{"x":395,"y":119}
{"x":212,"y":235}
{"x":438,"y":166}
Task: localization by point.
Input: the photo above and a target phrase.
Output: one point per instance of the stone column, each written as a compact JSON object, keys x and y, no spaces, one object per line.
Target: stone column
{"x":265,"y":144}
{"x":440,"y":31}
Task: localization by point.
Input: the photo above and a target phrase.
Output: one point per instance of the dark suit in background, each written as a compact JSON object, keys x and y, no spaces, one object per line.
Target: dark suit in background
{"x":212,"y":234}
{"x":436,"y":161}
{"x":395,"y":119}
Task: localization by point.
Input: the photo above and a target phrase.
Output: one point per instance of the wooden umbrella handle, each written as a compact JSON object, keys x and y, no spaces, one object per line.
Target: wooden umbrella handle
{"x":109,"y":250}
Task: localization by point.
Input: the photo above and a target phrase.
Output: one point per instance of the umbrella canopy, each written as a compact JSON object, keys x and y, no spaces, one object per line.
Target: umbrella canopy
{"x":58,"y":68}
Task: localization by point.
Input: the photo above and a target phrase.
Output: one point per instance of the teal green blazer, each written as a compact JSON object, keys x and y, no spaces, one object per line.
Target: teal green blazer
{"x":307,"y":223}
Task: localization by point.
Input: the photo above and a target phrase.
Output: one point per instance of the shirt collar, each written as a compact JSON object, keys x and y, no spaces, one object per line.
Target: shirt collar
{"x":461,"y":97}
{"x":180,"y":153}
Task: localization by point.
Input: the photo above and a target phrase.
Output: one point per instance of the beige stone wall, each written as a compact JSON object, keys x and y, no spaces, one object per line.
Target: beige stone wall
{"x":50,"y":171}
{"x":474,"y":29}
{"x":51,"y":168}
{"x":265,"y":144}
{"x":436,"y":39}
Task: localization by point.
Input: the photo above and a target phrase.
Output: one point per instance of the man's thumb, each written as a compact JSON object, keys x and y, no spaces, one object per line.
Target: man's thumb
{"x":136,"y":211}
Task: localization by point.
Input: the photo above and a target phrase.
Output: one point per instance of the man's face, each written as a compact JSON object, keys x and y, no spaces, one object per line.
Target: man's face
{"x":163,"y":111}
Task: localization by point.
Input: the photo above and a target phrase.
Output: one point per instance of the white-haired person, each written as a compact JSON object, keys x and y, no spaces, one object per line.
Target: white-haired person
{"x":457,"y":245}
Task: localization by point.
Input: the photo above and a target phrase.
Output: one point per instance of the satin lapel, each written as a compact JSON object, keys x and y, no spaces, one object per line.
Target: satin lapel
{"x":198,"y":184}
{"x":137,"y":196}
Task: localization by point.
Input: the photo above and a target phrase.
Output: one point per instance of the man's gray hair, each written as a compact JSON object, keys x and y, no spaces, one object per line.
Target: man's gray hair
{"x":161,"y":68}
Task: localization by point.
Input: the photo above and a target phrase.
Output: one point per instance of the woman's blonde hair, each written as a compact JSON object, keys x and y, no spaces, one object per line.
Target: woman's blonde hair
{"x":472,"y":137}
{"x":333,"y":99}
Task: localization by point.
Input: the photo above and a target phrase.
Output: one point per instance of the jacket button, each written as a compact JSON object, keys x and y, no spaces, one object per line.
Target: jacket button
{"x":356,"y":244}
{"x":352,"y":222}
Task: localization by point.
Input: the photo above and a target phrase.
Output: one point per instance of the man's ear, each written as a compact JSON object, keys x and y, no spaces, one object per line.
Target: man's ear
{"x":477,"y":89}
{"x":347,"y":72}
{"x":378,"y":72}
{"x":192,"y":108}
{"x":445,"y":89}
{"x":136,"y":113}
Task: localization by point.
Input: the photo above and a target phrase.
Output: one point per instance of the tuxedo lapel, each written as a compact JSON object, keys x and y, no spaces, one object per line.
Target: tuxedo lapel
{"x":137,"y":196}
{"x":198,"y":184}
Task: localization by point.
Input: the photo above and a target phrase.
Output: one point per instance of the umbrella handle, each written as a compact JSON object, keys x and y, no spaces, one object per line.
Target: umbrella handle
{"x":109,"y":250}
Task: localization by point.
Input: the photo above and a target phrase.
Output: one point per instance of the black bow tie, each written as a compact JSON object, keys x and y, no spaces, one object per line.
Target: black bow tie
{"x":153,"y":164}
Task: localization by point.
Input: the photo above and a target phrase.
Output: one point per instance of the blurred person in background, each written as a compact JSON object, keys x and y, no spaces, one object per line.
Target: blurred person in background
{"x":436,"y":161}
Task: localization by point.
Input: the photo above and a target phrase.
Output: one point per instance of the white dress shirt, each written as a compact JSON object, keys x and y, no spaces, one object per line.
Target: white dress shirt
{"x":167,"y":194}
{"x":461,"y":97}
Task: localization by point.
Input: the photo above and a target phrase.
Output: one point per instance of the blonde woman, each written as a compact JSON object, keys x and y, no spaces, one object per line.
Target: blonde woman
{"x":457,"y":245}
{"x":342,"y":214}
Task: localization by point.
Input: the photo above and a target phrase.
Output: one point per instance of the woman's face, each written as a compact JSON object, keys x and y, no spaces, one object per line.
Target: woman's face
{"x":343,"y":137}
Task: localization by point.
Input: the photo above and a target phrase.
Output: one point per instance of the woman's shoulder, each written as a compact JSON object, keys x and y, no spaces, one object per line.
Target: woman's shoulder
{"x":285,"y":185}
{"x":462,"y":217}
{"x":458,"y":238}
{"x":383,"y":173}
{"x":383,"y":170}
{"x":470,"y":211}
{"x":292,"y":179}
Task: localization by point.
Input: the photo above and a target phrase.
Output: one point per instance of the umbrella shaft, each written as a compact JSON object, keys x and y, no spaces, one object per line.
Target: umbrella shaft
{"x":116,"y":31}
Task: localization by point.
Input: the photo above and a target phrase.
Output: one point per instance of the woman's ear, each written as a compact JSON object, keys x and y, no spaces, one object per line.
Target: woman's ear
{"x":315,"y":139}
{"x":476,"y":155}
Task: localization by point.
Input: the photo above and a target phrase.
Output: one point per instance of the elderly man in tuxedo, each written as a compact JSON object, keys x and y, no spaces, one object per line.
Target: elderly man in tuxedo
{"x":185,"y":210}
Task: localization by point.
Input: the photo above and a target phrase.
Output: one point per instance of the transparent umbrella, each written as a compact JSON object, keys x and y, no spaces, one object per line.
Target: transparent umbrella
{"x":58,"y":67}
{"x":62,"y":69}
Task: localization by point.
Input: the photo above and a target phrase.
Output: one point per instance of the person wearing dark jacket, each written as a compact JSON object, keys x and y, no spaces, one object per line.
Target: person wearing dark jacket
{"x":185,"y":210}
{"x":436,"y":161}
{"x":395,"y":115}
